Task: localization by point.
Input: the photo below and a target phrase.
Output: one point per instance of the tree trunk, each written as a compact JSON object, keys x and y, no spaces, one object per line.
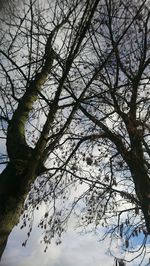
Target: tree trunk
{"x":141,"y":180}
{"x":142,"y":188}
{"x":12,"y":197}
{"x":8,"y":220}
{"x":138,"y":169}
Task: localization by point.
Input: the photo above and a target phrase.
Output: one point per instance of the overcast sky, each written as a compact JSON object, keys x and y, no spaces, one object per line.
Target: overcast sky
{"x":75,"y":250}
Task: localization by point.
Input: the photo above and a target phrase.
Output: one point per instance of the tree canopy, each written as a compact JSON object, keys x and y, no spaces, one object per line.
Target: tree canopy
{"x":74,"y":118}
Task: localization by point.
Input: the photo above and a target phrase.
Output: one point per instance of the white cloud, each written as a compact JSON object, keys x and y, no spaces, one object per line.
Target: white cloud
{"x":74,"y":250}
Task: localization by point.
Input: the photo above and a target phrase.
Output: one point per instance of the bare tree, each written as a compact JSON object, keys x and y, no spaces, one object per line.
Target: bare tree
{"x":75,"y":97}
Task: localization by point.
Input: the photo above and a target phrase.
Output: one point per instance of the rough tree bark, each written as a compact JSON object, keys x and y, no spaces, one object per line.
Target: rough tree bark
{"x":25,"y":163}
